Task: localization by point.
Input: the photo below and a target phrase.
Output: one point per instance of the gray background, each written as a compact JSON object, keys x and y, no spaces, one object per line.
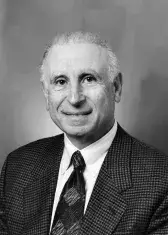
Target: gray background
{"x":138,"y":31}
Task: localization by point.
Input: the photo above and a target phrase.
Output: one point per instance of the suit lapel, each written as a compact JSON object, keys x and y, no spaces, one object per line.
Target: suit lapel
{"x":39,"y":194}
{"x":106,"y":205}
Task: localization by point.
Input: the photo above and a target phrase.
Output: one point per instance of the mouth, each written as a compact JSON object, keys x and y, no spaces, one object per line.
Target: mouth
{"x":81,"y":113}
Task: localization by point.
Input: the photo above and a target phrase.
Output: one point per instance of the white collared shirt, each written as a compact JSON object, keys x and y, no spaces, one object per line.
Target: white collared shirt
{"x":93,"y":155}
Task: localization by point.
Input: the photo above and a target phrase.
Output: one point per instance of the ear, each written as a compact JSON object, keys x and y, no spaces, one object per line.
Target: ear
{"x":45,"y":91}
{"x":117,"y":82}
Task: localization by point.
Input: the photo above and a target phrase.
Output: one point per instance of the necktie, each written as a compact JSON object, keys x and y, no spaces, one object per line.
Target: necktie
{"x":69,"y":212}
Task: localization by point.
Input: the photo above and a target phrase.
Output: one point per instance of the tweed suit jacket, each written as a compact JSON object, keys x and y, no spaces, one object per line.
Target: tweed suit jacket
{"x":130,"y":195}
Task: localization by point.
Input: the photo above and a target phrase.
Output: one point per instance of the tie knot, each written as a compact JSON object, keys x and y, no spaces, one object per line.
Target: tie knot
{"x":78,"y":161}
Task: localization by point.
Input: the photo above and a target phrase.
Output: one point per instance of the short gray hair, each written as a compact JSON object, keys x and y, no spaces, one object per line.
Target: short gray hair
{"x":83,"y":37}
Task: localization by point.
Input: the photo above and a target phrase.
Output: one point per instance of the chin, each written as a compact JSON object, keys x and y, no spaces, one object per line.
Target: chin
{"x":76,"y":131}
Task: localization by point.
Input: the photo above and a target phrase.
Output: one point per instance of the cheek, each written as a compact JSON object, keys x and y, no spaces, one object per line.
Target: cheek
{"x":51,"y":100}
{"x":55,"y":99}
{"x":101,"y":98}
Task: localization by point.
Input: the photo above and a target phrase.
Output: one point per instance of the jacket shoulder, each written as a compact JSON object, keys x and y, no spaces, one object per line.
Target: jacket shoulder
{"x":146,"y":160}
{"x":36,"y":147}
{"x":30,"y":160}
{"x":26,"y":157}
{"x":143,"y":155}
{"x":139,"y":146}
{"x":143,"y":148}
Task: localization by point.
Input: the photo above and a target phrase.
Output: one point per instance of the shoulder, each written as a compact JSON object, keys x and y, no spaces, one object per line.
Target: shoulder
{"x":147,"y":152}
{"x":37,"y":147}
{"x":33,"y":153}
{"x":146,"y":160}
{"x":30,"y":161}
{"x":139,"y":147}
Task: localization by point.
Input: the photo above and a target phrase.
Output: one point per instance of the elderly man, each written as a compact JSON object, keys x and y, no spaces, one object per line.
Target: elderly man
{"x":95,"y":179}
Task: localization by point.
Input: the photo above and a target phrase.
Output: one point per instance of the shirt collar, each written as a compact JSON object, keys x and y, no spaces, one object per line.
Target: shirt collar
{"x":91,"y":153}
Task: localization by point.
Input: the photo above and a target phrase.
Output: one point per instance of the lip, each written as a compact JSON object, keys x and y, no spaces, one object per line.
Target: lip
{"x":81,"y":113}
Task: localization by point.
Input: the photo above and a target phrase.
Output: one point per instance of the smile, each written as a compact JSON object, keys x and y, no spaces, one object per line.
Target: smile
{"x":83,"y":113}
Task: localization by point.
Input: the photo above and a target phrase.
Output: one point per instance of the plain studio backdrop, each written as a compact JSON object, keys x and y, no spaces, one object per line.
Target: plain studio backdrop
{"x":138,"y":32}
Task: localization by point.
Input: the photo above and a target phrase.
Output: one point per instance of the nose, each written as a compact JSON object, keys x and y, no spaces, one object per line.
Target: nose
{"x":75,"y":95}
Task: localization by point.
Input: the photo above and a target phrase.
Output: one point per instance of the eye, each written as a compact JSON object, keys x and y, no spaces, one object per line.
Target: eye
{"x":89,"y":79}
{"x":59,"y":82}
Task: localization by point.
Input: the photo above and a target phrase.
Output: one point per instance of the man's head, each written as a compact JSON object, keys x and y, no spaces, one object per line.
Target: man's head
{"x":81,"y":83}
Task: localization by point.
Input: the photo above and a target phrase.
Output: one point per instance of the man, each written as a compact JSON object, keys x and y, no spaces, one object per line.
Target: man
{"x":94,"y":179}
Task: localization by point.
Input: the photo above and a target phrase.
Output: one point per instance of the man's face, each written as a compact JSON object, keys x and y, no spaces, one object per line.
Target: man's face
{"x":80,"y":96}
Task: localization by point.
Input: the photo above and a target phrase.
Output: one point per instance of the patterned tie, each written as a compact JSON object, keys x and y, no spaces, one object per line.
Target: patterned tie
{"x":69,"y":213}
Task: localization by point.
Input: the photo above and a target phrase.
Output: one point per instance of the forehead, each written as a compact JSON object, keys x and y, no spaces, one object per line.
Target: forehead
{"x":76,"y":57}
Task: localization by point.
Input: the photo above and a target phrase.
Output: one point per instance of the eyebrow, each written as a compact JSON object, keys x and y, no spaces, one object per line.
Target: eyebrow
{"x":57,"y":75}
{"x":82,"y":72}
{"x":88,"y":71}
